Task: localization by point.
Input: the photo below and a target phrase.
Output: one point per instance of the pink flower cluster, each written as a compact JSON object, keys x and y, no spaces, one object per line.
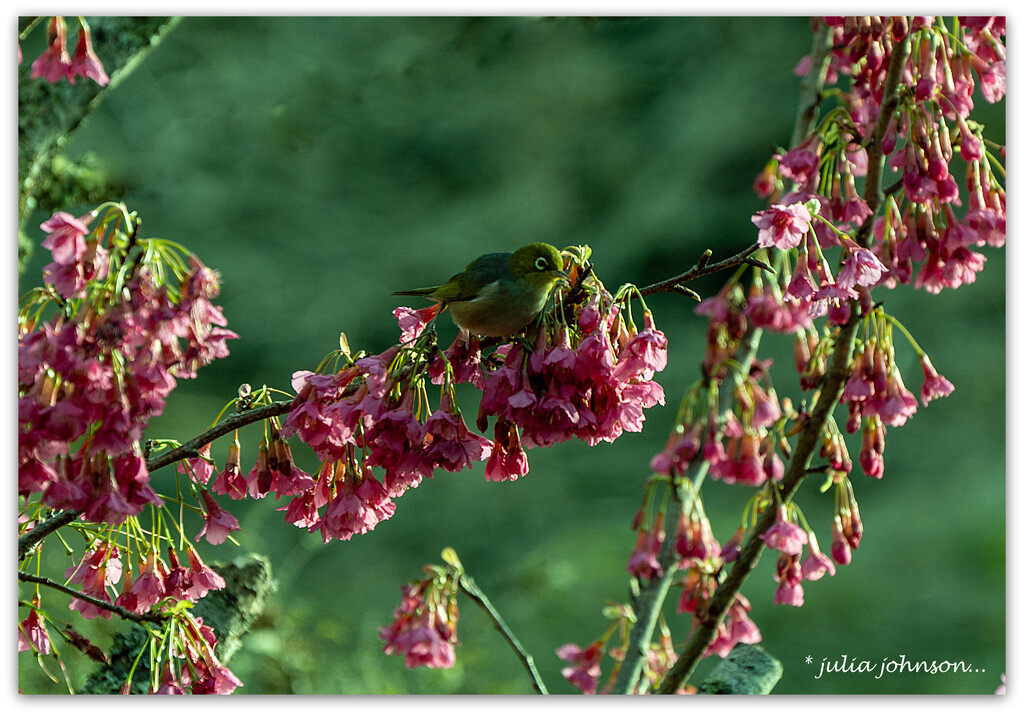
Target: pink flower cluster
{"x":789,"y":540}
{"x":584,"y":664}
{"x":584,"y":669}
{"x":202,"y":671}
{"x":736,"y":627}
{"x":368,"y":409}
{"x":934,"y":124}
{"x":701,"y":559}
{"x":424,"y":626}
{"x":741,"y":447}
{"x":847,"y":527}
{"x":101,"y":569}
{"x":56,"y":64}
{"x":91,"y":377}
{"x":593,"y":384}
{"x":372,"y":427}
{"x":156,"y":581}
{"x":156,"y":584}
{"x":876,"y":396}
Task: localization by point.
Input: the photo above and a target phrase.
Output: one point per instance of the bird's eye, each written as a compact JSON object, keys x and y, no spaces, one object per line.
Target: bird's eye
{"x":541,"y":264}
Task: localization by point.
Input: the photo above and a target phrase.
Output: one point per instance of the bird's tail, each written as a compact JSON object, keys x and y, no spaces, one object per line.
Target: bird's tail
{"x":422,"y":292}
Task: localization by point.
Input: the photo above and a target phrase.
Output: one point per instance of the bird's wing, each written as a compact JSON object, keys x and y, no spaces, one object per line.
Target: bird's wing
{"x":480,"y":273}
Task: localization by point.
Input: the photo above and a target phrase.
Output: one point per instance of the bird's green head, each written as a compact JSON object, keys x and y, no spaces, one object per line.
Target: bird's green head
{"x":539,"y":264}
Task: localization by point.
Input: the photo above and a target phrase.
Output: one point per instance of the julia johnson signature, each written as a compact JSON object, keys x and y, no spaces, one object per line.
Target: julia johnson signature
{"x":900,"y":664}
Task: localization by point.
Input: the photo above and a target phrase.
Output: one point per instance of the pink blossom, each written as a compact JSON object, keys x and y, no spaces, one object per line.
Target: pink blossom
{"x":32,"y":634}
{"x":992,"y":76}
{"x":694,"y":540}
{"x":736,"y":627}
{"x":683,"y":445}
{"x":219,"y":523}
{"x":731,"y":548}
{"x":150,"y":586}
{"x":961,"y":267}
{"x":460,"y":362}
{"x":55,"y":63}
{"x":860,"y":268}
{"x":784,"y":535}
{"x":816,"y":564}
{"x":645,"y":354}
{"x":230,"y":480}
{"x":325,"y":413}
{"x":790,"y":594}
{"x":585,"y":665}
{"x":593,"y":387}
{"x":449,"y":443}
{"x":508,"y":459}
{"x":178,"y":579}
{"x":413,"y":322}
{"x":782,"y":226}
{"x":765,"y":410}
{"x":802,"y":283}
{"x":356,"y":509}
{"x":204,"y":579}
{"x":85,"y":62}
{"x":200,"y":468}
{"x":896,"y":404}
{"x":840,"y":545}
{"x":935,"y":385}
{"x":872,"y":446}
{"x":424,"y":633}
{"x":801,"y":163}
{"x":643,"y":562}
{"x":218,"y":680}
{"x":66,"y":236}
{"x":99,"y":568}
{"x":767,"y":182}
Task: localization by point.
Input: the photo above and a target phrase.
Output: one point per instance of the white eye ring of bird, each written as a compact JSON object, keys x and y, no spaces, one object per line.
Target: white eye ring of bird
{"x":541,"y":264}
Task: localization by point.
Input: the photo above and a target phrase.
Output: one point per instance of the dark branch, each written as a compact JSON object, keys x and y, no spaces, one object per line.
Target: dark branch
{"x":806,"y":446}
{"x":122,"y":612}
{"x":701,"y":268}
{"x":40,"y":531}
{"x":233,"y":422}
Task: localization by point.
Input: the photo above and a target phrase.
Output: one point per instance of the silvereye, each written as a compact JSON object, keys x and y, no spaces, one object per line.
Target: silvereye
{"x":499,"y":293}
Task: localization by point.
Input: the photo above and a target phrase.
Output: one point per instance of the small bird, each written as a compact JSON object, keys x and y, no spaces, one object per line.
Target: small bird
{"x":499,"y":293}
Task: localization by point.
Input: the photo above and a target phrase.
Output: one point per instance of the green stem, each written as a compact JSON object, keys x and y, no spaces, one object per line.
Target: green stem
{"x":470,"y":588}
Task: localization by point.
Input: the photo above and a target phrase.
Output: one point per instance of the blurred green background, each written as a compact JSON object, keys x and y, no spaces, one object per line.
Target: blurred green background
{"x":320,"y":163}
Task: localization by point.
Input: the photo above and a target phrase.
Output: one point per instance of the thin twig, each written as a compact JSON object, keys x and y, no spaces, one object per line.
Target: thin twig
{"x":233,"y":422}
{"x":122,"y":612}
{"x":471,"y":590}
{"x":701,"y":268}
{"x":890,"y":100}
